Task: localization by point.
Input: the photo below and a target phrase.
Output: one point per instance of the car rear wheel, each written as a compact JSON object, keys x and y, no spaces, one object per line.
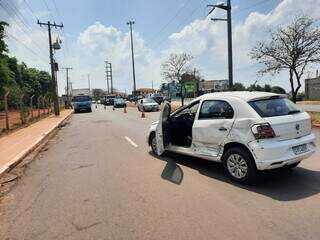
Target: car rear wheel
{"x":239,"y":165}
{"x":153,"y":143}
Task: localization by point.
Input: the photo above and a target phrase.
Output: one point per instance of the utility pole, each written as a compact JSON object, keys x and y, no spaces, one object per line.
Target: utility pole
{"x":130,"y":23}
{"x":109,"y":76}
{"x":89,"y":84}
{"x":229,"y":26}
{"x":68,"y":90}
{"x":52,"y":63}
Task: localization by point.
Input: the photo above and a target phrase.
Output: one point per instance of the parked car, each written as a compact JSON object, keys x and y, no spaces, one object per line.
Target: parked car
{"x":81,"y":103}
{"x":109,"y":100}
{"x":119,"y":103}
{"x":157,"y":97}
{"x":148,"y":105}
{"x":245,"y":131}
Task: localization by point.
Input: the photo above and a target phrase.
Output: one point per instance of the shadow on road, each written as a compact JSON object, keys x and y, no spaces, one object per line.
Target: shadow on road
{"x":280,"y":184}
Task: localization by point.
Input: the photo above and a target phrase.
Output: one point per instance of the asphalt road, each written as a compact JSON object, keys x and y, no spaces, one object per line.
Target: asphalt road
{"x":98,"y":180}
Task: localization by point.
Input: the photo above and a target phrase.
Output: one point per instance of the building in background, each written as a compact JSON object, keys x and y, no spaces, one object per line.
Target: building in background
{"x":213,"y":86}
{"x":81,"y":91}
{"x":145,"y":91}
{"x":312,"y":88}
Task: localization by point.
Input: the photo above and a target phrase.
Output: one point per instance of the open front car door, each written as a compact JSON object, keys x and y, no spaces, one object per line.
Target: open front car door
{"x":162,"y":133}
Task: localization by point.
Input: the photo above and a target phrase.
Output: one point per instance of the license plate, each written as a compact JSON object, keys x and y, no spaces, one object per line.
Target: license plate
{"x":300,"y":149}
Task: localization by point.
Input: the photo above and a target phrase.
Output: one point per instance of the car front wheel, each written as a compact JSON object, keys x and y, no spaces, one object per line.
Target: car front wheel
{"x":239,"y":165}
{"x":153,"y":143}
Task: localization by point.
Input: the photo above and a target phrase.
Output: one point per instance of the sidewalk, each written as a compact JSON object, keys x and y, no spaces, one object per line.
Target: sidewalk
{"x":15,"y":146}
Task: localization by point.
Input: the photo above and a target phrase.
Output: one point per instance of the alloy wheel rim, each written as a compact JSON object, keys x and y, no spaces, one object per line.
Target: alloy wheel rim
{"x":237,"y":166}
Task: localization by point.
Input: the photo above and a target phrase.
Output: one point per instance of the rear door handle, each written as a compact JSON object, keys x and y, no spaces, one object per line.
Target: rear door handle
{"x":223,"y":129}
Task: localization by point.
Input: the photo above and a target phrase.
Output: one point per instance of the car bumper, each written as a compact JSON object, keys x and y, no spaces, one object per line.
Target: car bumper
{"x":80,"y":107}
{"x":270,"y":154}
{"x":153,"y":108}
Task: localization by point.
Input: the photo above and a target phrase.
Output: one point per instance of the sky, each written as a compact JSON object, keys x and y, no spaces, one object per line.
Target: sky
{"x":95,"y":31}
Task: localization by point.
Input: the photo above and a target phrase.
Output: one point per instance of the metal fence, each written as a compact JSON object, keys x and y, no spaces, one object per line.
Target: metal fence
{"x":28,"y":109}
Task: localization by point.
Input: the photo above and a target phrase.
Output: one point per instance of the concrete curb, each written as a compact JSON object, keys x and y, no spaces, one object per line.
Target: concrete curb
{"x":45,"y":137}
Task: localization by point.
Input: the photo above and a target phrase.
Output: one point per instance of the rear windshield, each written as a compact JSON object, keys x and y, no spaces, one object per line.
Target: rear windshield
{"x":81,"y":99}
{"x":273,"y":107}
{"x":148,"y":100}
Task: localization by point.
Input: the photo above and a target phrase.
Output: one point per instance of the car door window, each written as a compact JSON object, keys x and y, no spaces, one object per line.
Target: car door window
{"x":191,"y":109}
{"x":216,"y":109}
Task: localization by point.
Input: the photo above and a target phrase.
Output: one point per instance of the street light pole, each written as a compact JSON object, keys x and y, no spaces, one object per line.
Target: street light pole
{"x":229,"y":27}
{"x":130,"y":23}
{"x":68,"y":90}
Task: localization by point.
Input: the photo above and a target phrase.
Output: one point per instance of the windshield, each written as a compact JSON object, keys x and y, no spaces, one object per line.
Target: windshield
{"x":273,"y":107}
{"x":148,"y":100}
{"x":119,"y":100}
{"x":109,"y":97}
{"x":81,"y":99}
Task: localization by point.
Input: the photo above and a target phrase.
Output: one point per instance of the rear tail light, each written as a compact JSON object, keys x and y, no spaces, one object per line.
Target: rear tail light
{"x":262,"y":131}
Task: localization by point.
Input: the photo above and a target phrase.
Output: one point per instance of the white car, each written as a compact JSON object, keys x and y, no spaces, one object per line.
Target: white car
{"x":246,"y":131}
{"x":147,"y":105}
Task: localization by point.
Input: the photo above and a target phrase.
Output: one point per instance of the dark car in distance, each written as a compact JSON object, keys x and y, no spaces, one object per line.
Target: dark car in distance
{"x":109,"y":100}
{"x":119,"y":103}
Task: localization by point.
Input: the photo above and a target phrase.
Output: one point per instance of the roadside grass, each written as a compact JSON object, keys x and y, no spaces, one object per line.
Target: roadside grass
{"x":315,"y":117}
{"x":309,"y":102}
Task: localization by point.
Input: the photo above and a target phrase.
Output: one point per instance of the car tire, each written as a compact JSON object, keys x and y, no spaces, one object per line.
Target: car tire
{"x":90,"y":109}
{"x":153,"y":143}
{"x":239,"y":165}
{"x":76,"y":111}
{"x":291,"y":166}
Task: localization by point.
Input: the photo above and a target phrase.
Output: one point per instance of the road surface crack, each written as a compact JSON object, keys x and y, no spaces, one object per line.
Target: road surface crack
{"x":81,"y":228}
{"x":83,"y":166}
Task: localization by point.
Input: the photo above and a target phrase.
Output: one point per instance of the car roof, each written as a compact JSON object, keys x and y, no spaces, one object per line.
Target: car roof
{"x":244,"y":95}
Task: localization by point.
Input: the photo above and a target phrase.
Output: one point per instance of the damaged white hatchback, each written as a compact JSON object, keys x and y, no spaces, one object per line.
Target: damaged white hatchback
{"x":246,"y":131}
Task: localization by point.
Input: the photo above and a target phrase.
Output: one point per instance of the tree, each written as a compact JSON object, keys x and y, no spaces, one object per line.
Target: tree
{"x":3,"y":45}
{"x":277,"y":89}
{"x":174,"y":67}
{"x":238,"y":87}
{"x":97,"y":93}
{"x":292,"y":48}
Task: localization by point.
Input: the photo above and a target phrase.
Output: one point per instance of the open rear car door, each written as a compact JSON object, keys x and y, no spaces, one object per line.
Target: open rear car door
{"x":162,"y":130}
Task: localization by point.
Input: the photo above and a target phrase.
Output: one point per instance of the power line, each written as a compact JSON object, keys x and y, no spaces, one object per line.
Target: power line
{"x":57,"y":10}
{"x":62,"y":31}
{"x":47,"y":7}
{"x":170,"y":21}
{"x":29,"y":49}
{"x":31,"y":10}
{"x":162,"y":40}
{"x":20,"y":27}
{"x":252,"y":6}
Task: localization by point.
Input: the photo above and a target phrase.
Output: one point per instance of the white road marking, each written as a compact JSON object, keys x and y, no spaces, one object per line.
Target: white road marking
{"x":131,"y":142}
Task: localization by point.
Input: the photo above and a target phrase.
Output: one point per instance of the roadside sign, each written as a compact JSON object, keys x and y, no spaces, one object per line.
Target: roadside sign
{"x":190,"y":87}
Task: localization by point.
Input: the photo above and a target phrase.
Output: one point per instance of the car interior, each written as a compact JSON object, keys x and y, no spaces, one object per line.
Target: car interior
{"x":180,"y":125}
